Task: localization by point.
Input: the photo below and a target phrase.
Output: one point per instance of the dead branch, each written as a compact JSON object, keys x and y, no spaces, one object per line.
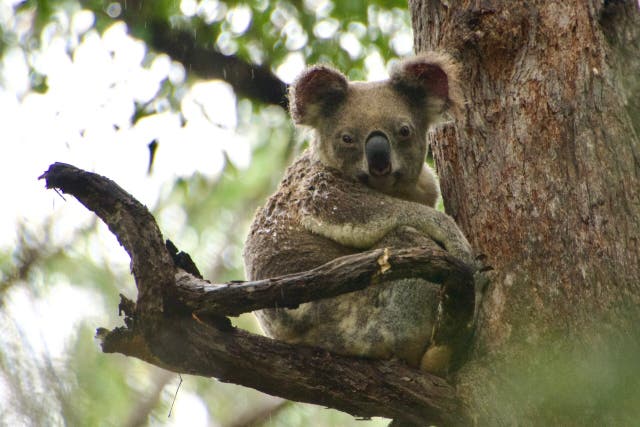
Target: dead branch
{"x":342,"y":275}
{"x":167,"y":330}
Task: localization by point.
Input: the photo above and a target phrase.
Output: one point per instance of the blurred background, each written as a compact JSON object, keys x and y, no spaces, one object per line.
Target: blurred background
{"x":182,"y":104}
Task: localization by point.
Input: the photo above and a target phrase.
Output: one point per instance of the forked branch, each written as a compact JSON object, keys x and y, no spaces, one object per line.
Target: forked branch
{"x":170,"y":326}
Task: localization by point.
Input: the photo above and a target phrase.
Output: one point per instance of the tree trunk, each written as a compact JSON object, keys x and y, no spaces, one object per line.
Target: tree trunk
{"x":543,"y":175}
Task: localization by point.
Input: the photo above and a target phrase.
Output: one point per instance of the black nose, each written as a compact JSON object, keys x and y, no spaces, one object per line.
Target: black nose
{"x":378,"y":152}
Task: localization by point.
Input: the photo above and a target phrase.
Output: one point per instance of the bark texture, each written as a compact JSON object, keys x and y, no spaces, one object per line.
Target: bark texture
{"x":543,"y":175}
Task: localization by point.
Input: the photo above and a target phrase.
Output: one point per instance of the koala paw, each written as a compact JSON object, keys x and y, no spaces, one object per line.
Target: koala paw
{"x":436,"y":360}
{"x":444,"y":231}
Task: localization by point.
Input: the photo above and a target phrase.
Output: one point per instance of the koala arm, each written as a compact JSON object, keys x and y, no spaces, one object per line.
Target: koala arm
{"x":358,"y":217}
{"x":363,"y":235}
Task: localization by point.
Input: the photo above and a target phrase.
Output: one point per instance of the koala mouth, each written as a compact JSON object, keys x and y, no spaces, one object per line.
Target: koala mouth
{"x":385,"y":183}
{"x":380,"y":170}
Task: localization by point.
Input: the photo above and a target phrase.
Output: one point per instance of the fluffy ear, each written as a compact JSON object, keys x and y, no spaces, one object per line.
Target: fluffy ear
{"x":430,"y":80}
{"x":317,"y":92}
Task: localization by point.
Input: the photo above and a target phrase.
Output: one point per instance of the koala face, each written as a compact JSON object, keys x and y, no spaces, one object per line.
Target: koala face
{"x":374,"y":136}
{"x":375,"y":132}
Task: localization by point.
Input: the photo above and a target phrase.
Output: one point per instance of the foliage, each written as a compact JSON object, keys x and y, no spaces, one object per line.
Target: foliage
{"x":51,"y":371}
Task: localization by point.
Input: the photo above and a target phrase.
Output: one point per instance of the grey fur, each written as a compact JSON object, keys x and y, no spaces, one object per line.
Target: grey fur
{"x":329,"y":205}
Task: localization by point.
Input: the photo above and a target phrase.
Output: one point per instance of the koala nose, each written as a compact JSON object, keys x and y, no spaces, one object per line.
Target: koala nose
{"x":378,"y":152}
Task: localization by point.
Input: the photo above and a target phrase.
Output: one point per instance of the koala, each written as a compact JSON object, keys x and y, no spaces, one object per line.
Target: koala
{"x":362,"y":184}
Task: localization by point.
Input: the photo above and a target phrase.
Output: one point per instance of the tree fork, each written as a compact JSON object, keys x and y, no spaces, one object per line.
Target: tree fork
{"x":169,"y":325}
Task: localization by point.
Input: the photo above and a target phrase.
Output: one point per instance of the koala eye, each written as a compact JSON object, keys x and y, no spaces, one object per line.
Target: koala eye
{"x":404,"y":131}
{"x":346,"y":138}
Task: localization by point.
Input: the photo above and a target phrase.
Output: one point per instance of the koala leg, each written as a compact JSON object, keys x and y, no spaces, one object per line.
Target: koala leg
{"x":449,"y":331}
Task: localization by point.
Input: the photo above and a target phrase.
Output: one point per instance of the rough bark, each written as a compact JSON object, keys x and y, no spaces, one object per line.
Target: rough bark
{"x":177,"y":322}
{"x":543,"y":175}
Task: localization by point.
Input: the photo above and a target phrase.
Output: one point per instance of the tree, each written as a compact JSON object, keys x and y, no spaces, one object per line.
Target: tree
{"x":553,"y":114}
{"x":543,"y":176}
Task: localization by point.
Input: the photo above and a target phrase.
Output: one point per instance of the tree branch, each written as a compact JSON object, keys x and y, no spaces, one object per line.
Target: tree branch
{"x":346,"y":274}
{"x":256,"y":82}
{"x":358,"y":386}
{"x":131,"y":223}
{"x":248,"y":80}
{"x":164,"y":332}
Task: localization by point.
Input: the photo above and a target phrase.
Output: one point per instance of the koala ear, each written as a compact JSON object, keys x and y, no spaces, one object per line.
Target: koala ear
{"x":430,"y":80}
{"x":317,"y":92}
